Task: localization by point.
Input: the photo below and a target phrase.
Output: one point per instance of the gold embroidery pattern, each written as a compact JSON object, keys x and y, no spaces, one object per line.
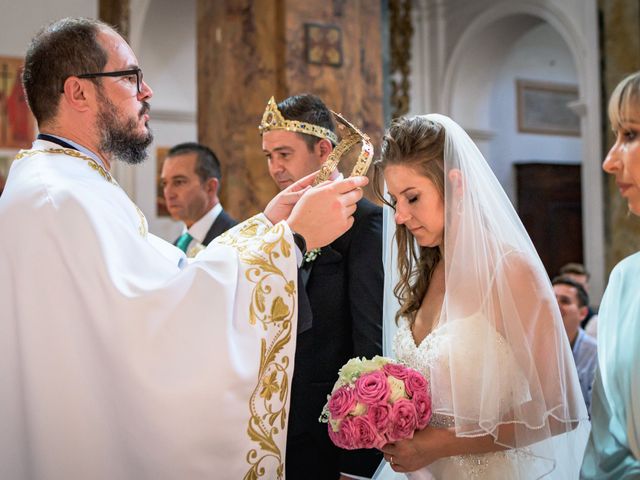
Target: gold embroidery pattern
{"x":142,"y":228}
{"x":268,"y":415}
{"x":195,"y":250}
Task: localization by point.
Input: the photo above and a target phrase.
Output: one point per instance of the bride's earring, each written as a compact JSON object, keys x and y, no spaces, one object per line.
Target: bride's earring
{"x":459,"y":208}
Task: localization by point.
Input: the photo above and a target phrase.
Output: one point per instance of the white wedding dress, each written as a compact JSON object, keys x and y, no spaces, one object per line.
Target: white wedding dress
{"x":462,"y":345}
{"x":458,"y":341}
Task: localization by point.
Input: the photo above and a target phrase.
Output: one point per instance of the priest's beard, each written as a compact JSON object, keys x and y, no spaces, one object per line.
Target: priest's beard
{"x":119,"y":137}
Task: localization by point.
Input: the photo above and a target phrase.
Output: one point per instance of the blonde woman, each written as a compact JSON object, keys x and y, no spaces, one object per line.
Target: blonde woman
{"x":613,"y":451}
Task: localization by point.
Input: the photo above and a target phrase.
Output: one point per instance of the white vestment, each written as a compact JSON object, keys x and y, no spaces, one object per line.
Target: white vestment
{"x":118,"y":364}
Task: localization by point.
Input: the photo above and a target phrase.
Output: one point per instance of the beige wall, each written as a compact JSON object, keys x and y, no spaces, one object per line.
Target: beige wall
{"x":621,"y":48}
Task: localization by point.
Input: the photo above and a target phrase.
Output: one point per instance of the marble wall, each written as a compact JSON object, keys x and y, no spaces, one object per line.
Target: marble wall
{"x":620,"y":43}
{"x":251,"y":50}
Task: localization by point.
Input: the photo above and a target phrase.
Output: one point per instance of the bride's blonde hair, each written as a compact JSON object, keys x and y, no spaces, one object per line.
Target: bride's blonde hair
{"x":417,"y":143}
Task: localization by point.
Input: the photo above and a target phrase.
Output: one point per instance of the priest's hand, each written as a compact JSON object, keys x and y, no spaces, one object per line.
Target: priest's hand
{"x":280,"y":206}
{"x":323,"y":213}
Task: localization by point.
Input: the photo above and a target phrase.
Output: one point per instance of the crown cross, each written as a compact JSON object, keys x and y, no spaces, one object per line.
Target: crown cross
{"x":350,"y":138}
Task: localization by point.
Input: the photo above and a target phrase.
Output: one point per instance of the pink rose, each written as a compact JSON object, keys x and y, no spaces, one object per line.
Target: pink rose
{"x":422,"y":402}
{"x":379,"y":415}
{"x":346,"y":436}
{"x":403,"y":420}
{"x":336,"y":437}
{"x":396,"y":370}
{"x":341,"y":402}
{"x":372,"y":388}
{"x":414,"y":382}
{"x":365,"y":433}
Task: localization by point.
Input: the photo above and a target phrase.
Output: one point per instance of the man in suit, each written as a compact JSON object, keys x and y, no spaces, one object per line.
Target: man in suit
{"x":578,"y":273}
{"x":190,"y":181}
{"x":573,"y":301}
{"x":342,"y":294}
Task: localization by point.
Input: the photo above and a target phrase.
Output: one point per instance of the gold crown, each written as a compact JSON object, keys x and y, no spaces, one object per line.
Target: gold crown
{"x":272,"y":119}
{"x":350,"y":137}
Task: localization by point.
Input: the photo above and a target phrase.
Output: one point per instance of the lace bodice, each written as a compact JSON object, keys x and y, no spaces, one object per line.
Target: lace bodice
{"x":422,"y":357}
{"x":455,"y":350}
{"x":461,"y":344}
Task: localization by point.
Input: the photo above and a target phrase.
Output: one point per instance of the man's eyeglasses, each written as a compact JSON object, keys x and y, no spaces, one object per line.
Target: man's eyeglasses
{"x":121,"y":73}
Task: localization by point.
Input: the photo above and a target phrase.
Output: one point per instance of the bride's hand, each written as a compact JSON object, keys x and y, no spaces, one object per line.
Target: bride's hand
{"x":413,"y":454}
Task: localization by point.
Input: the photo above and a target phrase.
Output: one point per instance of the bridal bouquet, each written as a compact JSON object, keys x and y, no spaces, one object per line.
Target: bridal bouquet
{"x":375,"y":402}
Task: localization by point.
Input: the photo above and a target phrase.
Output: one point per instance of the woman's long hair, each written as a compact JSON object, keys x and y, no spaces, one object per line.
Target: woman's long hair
{"x":418,"y":144}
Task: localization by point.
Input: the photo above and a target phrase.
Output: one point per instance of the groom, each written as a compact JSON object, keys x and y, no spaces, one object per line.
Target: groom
{"x":342,"y":294}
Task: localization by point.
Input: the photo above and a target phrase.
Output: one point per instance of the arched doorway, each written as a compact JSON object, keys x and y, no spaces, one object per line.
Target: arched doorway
{"x":468,"y":71}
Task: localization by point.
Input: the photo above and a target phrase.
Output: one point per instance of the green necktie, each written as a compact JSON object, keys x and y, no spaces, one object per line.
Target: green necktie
{"x":184,"y":241}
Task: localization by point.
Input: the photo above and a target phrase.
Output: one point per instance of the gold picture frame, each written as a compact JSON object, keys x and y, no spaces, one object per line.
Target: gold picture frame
{"x":544,"y":108}
{"x":323,"y":44}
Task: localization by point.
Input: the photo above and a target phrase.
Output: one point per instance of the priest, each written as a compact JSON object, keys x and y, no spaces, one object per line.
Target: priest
{"x":120,"y":358}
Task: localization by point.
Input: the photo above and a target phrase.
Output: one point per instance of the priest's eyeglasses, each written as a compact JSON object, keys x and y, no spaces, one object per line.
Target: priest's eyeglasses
{"x":121,"y":73}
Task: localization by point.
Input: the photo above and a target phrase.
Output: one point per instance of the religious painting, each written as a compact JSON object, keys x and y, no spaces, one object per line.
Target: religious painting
{"x":161,"y":204}
{"x":323,"y":44}
{"x":17,"y":125}
{"x":544,"y":108}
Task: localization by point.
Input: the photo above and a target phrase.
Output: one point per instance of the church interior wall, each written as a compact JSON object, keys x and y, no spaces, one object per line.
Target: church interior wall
{"x":167,"y":53}
{"x":620,"y":46}
{"x":461,"y":53}
{"x":163,"y":35}
{"x":246,"y":55}
{"x":21,"y":20}
{"x":540,"y":54}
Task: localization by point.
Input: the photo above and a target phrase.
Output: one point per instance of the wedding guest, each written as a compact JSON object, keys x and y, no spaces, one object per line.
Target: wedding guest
{"x":573,"y":300}
{"x":190,"y":181}
{"x":613,"y":451}
{"x":578,"y":273}
{"x":342,"y":294}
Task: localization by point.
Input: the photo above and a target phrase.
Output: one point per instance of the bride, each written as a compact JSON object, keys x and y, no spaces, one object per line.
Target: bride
{"x":476,"y":315}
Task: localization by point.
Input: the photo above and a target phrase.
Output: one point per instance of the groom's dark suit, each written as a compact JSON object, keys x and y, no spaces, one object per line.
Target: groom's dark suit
{"x":344,"y":290}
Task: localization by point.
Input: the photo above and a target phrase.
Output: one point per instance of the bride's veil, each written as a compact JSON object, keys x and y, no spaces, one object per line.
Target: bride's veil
{"x":510,"y":372}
